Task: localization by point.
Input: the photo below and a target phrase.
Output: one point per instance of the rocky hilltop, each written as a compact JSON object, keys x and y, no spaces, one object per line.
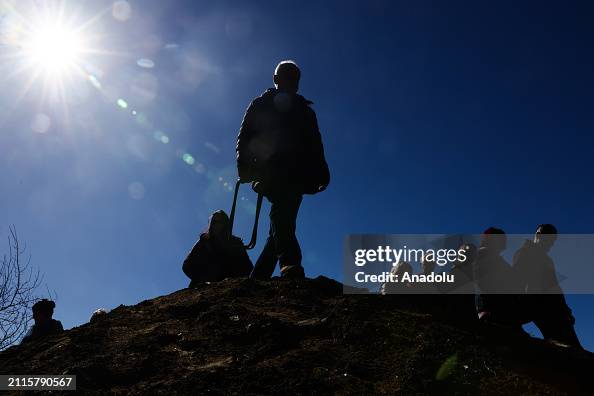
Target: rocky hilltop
{"x":247,"y":337}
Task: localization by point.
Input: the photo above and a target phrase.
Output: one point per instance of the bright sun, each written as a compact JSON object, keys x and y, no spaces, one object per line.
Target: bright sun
{"x":54,"y":48}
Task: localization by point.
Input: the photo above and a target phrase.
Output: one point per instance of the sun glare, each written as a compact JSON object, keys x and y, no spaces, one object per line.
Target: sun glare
{"x":54,"y":48}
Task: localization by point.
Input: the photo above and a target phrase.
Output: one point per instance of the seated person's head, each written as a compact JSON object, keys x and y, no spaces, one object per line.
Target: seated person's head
{"x":43,"y":310}
{"x":219,"y":224}
{"x":545,"y":236}
{"x":494,"y":239}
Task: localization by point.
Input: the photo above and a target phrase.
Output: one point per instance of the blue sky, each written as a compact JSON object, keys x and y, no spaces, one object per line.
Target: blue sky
{"x":437,"y":117}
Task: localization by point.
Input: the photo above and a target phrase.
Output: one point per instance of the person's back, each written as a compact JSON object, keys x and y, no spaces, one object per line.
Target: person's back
{"x":217,"y":255}
{"x":542,"y":295}
{"x":38,"y":331}
{"x":496,"y":282}
{"x":535,"y":270}
{"x":277,"y":141}
{"x":279,"y":145}
{"x":493,"y":274}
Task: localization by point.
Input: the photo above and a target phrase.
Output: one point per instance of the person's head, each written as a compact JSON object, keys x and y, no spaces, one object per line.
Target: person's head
{"x":286,"y":76}
{"x":494,"y":239}
{"x":427,"y":265}
{"x":218,"y":224}
{"x":43,"y":310}
{"x":545,"y":236}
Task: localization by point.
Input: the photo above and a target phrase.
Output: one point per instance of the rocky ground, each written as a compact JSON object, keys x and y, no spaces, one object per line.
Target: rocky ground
{"x":300,"y":337}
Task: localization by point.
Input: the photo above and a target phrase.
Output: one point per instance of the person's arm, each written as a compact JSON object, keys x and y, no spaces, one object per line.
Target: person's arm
{"x":191,"y":263}
{"x":244,"y":156}
{"x":317,"y":151}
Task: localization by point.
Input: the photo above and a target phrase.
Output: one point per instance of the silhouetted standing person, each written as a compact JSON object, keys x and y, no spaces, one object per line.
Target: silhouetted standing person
{"x":279,"y":149}
{"x":45,"y":325}
{"x":217,"y":254}
{"x":543,"y":297}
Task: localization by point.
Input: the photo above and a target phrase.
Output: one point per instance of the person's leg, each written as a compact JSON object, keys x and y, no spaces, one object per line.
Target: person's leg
{"x":558,"y":330}
{"x":267,"y":260}
{"x":283,"y":217}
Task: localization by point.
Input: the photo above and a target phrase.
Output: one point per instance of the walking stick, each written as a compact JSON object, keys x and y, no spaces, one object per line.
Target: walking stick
{"x":252,"y":243}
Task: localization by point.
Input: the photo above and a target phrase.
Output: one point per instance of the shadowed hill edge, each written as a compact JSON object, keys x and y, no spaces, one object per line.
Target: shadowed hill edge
{"x":253,"y":337}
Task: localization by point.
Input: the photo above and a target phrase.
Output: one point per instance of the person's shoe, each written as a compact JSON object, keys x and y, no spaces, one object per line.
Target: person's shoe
{"x":292,"y":272}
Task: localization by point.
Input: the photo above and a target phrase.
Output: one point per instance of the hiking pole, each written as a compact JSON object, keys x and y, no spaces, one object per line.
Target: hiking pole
{"x":252,"y":243}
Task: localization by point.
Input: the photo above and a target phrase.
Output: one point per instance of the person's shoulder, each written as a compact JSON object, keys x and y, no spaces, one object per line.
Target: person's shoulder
{"x":204,"y":239}
{"x":305,"y":104}
{"x":235,"y":241}
{"x":527,"y":248}
{"x":264,"y":98}
{"x":28,"y":336}
{"x":57,"y":325}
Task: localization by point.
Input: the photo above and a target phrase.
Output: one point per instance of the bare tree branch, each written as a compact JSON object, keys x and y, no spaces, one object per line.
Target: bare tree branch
{"x":18,"y":282}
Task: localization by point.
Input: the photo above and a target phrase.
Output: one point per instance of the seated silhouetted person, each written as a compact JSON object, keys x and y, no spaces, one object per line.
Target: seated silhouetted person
{"x":496,"y":282}
{"x":45,"y":325}
{"x":217,"y":255}
{"x":279,"y":150}
{"x":543,"y":298}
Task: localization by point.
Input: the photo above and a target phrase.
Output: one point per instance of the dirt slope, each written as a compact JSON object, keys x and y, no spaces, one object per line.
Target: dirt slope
{"x":299,"y":337}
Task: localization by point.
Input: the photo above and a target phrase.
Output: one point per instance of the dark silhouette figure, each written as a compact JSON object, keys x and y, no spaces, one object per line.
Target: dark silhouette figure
{"x":496,"y":282}
{"x":543,"y":296}
{"x":217,"y":254}
{"x":45,"y":325}
{"x":279,"y":150}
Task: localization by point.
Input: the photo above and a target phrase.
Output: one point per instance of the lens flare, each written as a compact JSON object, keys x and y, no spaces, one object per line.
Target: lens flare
{"x":188,"y":159}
